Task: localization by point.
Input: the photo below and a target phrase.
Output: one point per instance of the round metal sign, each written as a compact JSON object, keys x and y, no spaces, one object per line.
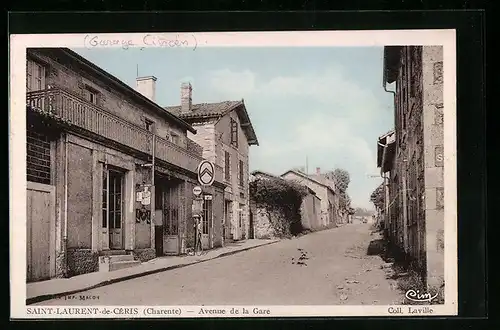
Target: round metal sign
{"x":197,"y":191}
{"x":206,"y":173}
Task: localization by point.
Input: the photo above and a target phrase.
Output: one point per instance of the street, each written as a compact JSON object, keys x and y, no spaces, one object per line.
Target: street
{"x":328,"y":267}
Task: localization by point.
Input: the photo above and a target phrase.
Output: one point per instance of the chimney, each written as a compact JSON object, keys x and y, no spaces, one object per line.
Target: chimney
{"x":186,"y":97}
{"x":318,"y":170}
{"x":147,"y":87}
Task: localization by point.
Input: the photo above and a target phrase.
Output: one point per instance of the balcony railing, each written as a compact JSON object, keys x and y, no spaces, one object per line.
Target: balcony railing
{"x":85,"y":115}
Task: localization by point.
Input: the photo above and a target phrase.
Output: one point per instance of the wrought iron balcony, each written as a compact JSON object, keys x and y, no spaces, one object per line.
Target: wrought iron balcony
{"x":92,"y":118}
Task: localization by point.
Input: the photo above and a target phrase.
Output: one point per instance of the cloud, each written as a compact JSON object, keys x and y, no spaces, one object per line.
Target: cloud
{"x":331,"y":89}
{"x":235,"y":85}
{"x":330,"y":132}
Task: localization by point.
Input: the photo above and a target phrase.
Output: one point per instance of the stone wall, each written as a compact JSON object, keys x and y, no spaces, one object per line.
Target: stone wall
{"x":263,"y":224}
{"x":433,"y":106}
{"x":310,"y":212}
{"x":144,"y":254}
{"x":82,"y":261}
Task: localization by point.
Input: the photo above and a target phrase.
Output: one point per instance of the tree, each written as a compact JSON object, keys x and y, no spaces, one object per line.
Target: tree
{"x":341,"y":179}
{"x":377,"y":197}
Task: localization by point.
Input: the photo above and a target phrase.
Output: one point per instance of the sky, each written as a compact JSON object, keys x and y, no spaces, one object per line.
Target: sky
{"x":323,"y":104}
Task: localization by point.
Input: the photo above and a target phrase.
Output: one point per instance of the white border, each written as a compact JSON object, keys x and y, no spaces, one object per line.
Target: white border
{"x":17,"y":160}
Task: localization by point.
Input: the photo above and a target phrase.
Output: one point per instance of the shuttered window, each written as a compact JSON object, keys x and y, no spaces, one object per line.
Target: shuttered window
{"x":227,"y":166}
{"x":234,"y":132}
{"x":38,"y":162}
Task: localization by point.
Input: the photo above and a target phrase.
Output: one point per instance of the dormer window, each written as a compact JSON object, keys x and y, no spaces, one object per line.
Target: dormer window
{"x":90,"y":95}
{"x":148,"y":125}
{"x":174,"y":138}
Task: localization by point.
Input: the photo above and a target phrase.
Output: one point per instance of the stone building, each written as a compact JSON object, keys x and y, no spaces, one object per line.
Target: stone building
{"x":310,"y":211}
{"x":225,"y":132}
{"x":414,"y":158}
{"x":324,"y":190}
{"x":93,"y":144}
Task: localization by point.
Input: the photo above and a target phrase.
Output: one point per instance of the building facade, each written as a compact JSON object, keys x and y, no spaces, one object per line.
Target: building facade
{"x":104,"y":175}
{"x":414,"y":157}
{"x":225,"y":132}
{"x":325,"y":192}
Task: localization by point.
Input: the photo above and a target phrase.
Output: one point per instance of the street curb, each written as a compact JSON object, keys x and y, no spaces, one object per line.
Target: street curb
{"x":37,"y":299}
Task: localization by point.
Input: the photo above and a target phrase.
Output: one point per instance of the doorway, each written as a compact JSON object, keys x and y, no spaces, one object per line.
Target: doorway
{"x":112,"y":209}
{"x":170,"y":202}
{"x":227,"y":219}
{"x":251,"y":229}
{"x":207,"y":222}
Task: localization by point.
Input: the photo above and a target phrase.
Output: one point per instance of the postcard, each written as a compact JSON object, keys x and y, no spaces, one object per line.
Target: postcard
{"x":255,"y":174}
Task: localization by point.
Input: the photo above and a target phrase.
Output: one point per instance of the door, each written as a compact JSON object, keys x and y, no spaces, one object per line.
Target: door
{"x":40,"y":211}
{"x":207,"y":224}
{"x":227,"y":220}
{"x":171,"y":219}
{"x":112,"y":211}
{"x":251,"y":229}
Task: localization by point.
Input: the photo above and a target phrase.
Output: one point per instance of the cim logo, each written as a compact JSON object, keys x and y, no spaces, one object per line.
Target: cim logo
{"x":419,"y":297}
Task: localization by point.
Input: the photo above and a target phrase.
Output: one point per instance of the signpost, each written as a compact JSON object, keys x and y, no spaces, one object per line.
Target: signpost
{"x":197,"y":191}
{"x":206,"y":173}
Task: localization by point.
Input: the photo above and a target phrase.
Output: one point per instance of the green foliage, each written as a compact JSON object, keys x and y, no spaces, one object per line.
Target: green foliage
{"x":280,"y":196}
{"x":341,"y":178}
{"x":377,"y":197}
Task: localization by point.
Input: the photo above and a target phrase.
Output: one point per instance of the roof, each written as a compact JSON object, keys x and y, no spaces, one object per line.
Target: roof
{"x":310,"y":178}
{"x":258,"y":172}
{"x":391,"y":63}
{"x":114,"y":82}
{"x":217,"y":110}
{"x":324,"y":180}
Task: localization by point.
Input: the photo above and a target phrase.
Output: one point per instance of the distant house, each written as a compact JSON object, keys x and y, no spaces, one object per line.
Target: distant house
{"x":310,"y":210}
{"x":225,"y":132}
{"x":325,"y":192}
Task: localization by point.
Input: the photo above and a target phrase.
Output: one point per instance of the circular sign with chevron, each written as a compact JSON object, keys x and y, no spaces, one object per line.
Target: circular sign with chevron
{"x":206,"y":173}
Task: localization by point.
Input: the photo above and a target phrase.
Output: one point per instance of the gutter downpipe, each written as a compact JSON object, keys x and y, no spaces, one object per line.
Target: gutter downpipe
{"x":153,"y":194}
{"x":386,"y":184}
{"x":65,"y":235}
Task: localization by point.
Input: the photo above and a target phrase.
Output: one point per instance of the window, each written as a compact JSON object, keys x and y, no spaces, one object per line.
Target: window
{"x":240,"y":220}
{"x":207,"y":214}
{"x":234,"y":132}
{"x":112,"y":182}
{"x":38,"y":162}
{"x":149,"y":124}
{"x":90,"y":95}
{"x":227,"y":166}
{"x":241,"y":173}
{"x":174,"y":138}
{"x":170,"y":211}
{"x":35,"y":76}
